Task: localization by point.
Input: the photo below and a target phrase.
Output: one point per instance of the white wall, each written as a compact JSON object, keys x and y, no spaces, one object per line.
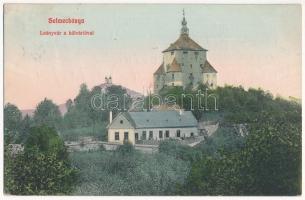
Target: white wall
{"x":184,"y":132}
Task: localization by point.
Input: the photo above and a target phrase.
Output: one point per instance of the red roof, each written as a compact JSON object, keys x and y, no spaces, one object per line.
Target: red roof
{"x":174,"y":67}
{"x":160,"y":70}
{"x":208,"y":68}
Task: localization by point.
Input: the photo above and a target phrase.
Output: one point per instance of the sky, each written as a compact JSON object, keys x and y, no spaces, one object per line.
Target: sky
{"x":249,"y":45}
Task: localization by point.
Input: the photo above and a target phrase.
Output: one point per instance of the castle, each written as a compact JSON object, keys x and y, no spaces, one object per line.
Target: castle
{"x":184,"y":64}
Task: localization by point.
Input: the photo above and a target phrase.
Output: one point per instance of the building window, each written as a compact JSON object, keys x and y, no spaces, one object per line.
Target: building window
{"x":150,"y":135}
{"x":192,"y":134}
{"x":196,"y":53}
{"x":185,"y":52}
{"x":126,"y":136}
{"x":116,"y":136}
{"x":191,"y":66}
{"x":160,"y":134}
{"x":167,"y":133}
{"x":172,"y":53}
{"x":173,"y":84}
{"x":201,"y":65}
{"x":144,"y":135}
{"x":136,"y":136}
{"x":182,"y":64}
{"x":173,"y":76}
{"x":178,"y":133}
{"x":121,"y":121}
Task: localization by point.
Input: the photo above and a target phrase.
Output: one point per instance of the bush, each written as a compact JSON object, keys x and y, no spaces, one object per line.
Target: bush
{"x":42,"y":169}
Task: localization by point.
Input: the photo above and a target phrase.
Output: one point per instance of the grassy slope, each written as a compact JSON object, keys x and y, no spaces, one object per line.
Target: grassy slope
{"x":110,"y":173}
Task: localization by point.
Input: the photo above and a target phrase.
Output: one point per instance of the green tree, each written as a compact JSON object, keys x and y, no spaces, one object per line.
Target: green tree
{"x":25,"y":126}
{"x":269,"y":163}
{"x":12,"y":122}
{"x":42,"y":169}
{"x":47,"y":113}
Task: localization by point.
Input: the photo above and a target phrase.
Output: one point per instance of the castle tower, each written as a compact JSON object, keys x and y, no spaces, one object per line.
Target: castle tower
{"x":184,"y":64}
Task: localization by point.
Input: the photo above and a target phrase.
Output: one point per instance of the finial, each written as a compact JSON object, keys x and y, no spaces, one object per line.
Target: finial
{"x":184,"y":29}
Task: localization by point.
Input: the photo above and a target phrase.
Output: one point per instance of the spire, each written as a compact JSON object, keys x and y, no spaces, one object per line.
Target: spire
{"x":184,"y":29}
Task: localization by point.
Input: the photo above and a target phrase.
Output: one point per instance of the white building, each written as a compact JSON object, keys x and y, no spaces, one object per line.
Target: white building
{"x":184,"y":64}
{"x":135,"y":127}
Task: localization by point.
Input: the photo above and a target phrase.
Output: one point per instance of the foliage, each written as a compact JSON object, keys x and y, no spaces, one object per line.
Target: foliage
{"x":225,"y":137}
{"x":81,"y":113}
{"x":98,"y":131}
{"x":47,"y":113}
{"x":179,"y":151}
{"x":269,"y":163}
{"x":114,"y":173}
{"x":12,"y":122}
{"x":42,"y":169}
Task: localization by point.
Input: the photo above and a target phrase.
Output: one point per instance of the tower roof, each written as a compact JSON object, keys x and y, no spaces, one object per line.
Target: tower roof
{"x":208,"y":68}
{"x":160,"y":70}
{"x":174,"y":67}
{"x":184,"y":42}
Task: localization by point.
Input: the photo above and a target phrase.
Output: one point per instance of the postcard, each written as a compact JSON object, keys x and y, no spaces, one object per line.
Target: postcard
{"x":152,"y":99}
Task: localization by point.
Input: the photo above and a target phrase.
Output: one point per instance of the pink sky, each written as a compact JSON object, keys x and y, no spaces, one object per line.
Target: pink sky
{"x":253,"y":46}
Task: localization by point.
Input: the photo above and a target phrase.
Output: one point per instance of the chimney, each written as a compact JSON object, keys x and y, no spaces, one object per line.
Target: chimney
{"x":110,"y":117}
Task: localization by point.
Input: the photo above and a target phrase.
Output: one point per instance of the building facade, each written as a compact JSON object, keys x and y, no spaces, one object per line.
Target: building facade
{"x":135,"y":127}
{"x":184,"y":64}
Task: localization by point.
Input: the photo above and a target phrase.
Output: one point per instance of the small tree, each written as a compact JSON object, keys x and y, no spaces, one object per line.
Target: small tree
{"x":12,"y":122}
{"x":47,"y":113}
{"x":42,"y":169}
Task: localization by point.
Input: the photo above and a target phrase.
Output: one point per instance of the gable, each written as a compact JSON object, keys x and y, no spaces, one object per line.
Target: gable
{"x":121,"y":121}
